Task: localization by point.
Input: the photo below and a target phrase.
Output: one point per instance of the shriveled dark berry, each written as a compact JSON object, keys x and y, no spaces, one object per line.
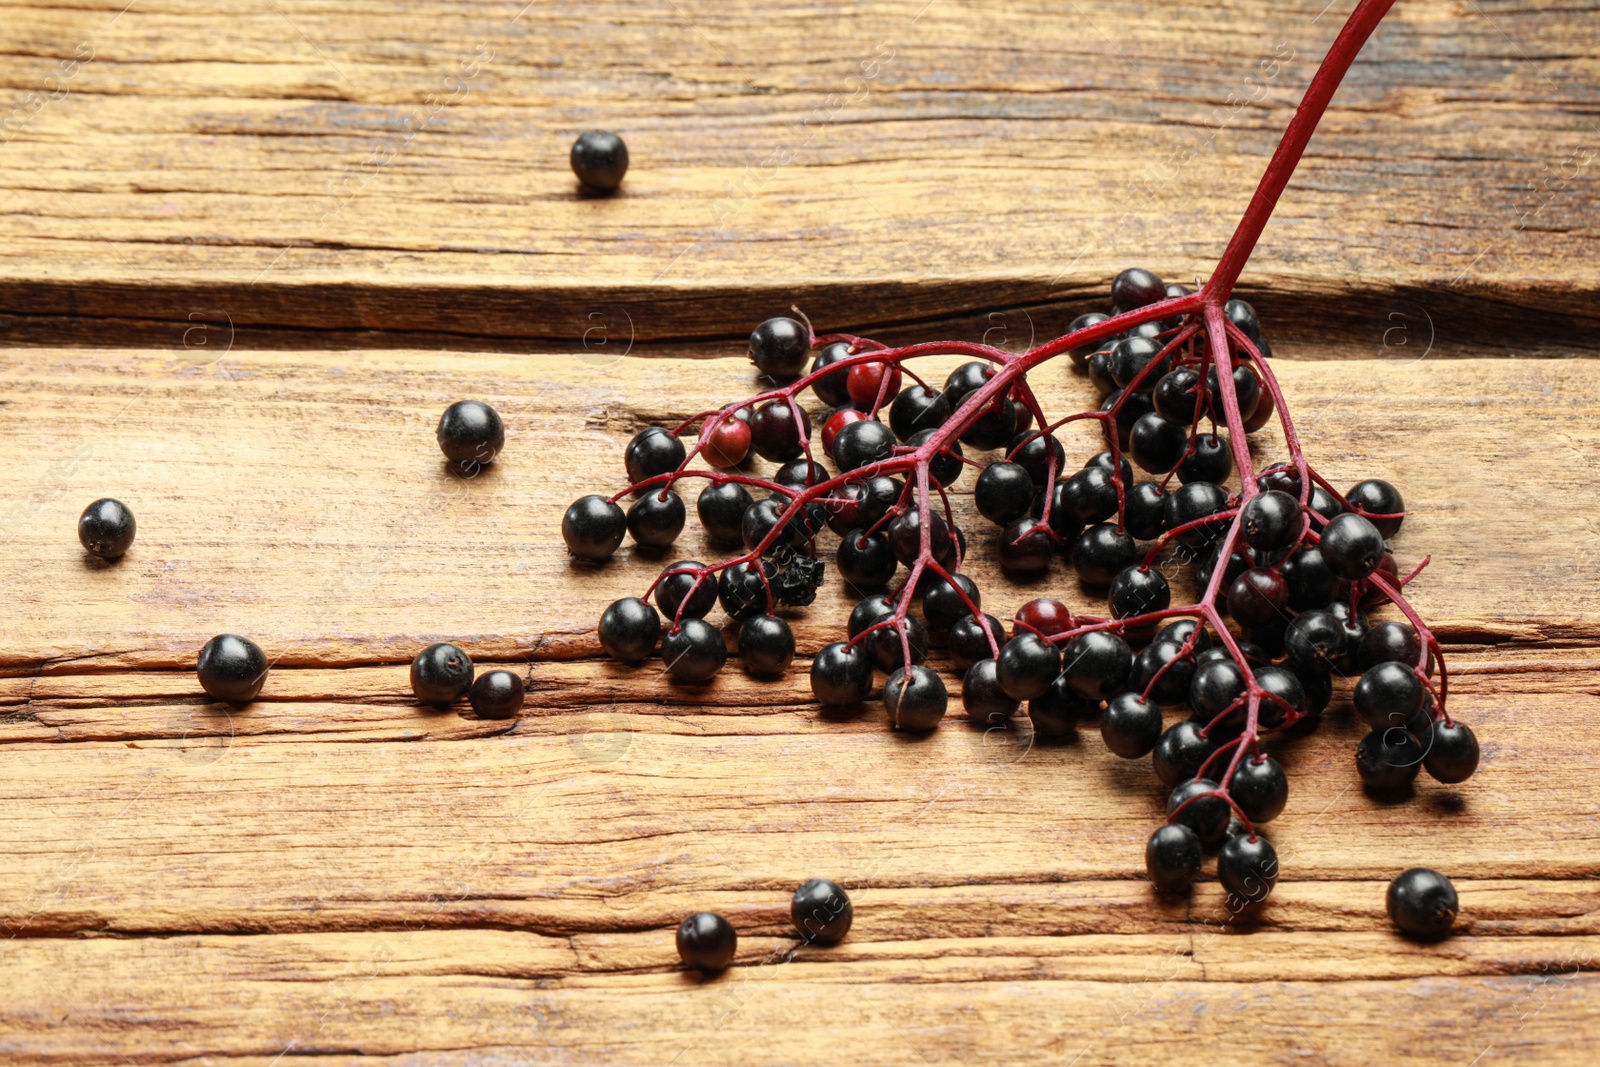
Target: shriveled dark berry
{"x":707,"y":942}
{"x":841,"y":675}
{"x":1452,"y":752}
{"x":106,"y":528}
{"x":916,"y":699}
{"x":471,"y":434}
{"x":1247,"y":867}
{"x":1131,"y":725}
{"x":600,"y":160}
{"x":778,"y":347}
{"x":1206,"y":815}
{"x":1422,"y":903}
{"x":766,"y":645}
{"x":232,"y":668}
{"x":821,"y":912}
{"x":496,"y":695}
{"x":694,"y":652}
{"x":441,"y":674}
{"x":628,"y":629}
{"x":984,"y":696}
{"x":1172,"y":857}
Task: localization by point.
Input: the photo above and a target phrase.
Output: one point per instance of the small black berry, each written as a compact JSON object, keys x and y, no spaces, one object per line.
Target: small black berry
{"x":1390,"y":642}
{"x":106,"y":528}
{"x":1172,"y":857}
{"x":707,"y":942}
{"x":628,"y":630}
{"x":441,"y":674}
{"x":685,"y":585}
{"x":917,"y":408}
{"x":1193,"y":805}
{"x":497,"y":695}
{"x":1377,"y":497}
{"x":1131,"y":725}
{"x":721,"y":509}
{"x":1136,"y":288}
{"x":599,"y":159}
{"x":821,"y":912}
{"x":652,"y":452}
{"x":1180,"y":752}
{"x":1388,"y":760}
{"x":593,"y":527}
{"x":1260,"y":788}
{"x":656,"y":518}
{"x":984,"y":697}
{"x":232,"y":668}
{"x":1423,"y":903}
{"x":1452,"y":752}
{"x":841,"y":675}
{"x":916,"y":699}
{"x":1352,"y":546}
{"x":1056,"y":712}
{"x":1270,"y":521}
{"x":1137,"y":591}
{"x":470,"y":434}
{"x":766,"y":645}
{"x":778,"y":347}
{"x":969,"y":639}
{"x":1247,"y":867}
{"x":1027,"y":665}
{"x":1097,"y":664}
{"x":1210,"y":460}
{"x":694,"y":652}
{"x":1100,"y":552}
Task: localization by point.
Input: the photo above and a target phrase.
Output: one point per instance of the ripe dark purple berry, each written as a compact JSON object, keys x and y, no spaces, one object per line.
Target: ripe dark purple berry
{"x":861,"y":443}
{"x":721,"y":509}
{"x":1027,"y":665}
{"x":832,"y":388}
{"x":1452,"y":752}
{"x":652,"y":452}
{"x":1101,"y":552}
{"x":1180,"y":752}
{"x":969,"y":639}
{"x":1131,"y":725}
{"x":766,"y":645}
{"x":441,"y":674}
{"x":1260,"y":788}
{"x":707,"y":942}
{"x":1423,"y":903}
{"x":1136,"y":591}
{"x":1191,"y":805}
{"x":600,"y":160}
{"x":841,"y":675}
{"x":497,"y":695}
{"x":1097,"y":664}
{"x":917,"y":408}
{"x":628,"y":630}
{"x":778,"y":347}
{"x":821,"y":912}
{"x":470,"y":435}
{"x":1026,"y":547}
{"x":1210,"y":459}
{"x":106,"y":528}
{"x":984,"y":696}
{"x":1390,"y":642}
{"x":1352,"y":546}
{"x":1388,"y":760}
{"x":1271,"y":521}
{"x":1388,"y":694}
{"x":1056,"y":712}
{"x":656,"y":518}
{"x":685,"y":585}
{"x":1172,"y":857}
{"x":1136,"y":288}
{"x":232,"y":668}
{"x":778,"y":430}
{"x":694,"y":652}
{"x":593,"y":527}
{"x":1247,"y":867}
{"x":1377,"y":497}
{"x":916,"y":699}
{"x":1156,"y":444}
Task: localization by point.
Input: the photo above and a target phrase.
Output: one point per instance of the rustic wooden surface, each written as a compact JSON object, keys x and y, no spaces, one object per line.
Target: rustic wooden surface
{"x":367,"y":172}
{"x":337,"y":873}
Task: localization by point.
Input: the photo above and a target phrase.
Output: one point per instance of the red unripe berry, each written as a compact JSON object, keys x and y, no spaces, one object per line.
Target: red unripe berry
{"x":1043,"y":616}
{"x":865,"y":384}
{"x":728,"y":444}
{"x":837,"y":422}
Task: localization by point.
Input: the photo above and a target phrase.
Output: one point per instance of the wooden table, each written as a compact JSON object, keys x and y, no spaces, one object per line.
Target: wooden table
{"x":249,"y":255}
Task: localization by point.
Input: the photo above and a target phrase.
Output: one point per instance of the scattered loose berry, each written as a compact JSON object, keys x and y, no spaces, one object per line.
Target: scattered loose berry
{"x":821,"y":912}
{"x":232,"y":668}
{"x":600,"y":160}
{"x":106,"y":528}
{"x":470,"y":435}
{"x":707,"y":942}
{"x":496,"y":695}
{"x":1423,"y":903}
{"x":441,"y":674}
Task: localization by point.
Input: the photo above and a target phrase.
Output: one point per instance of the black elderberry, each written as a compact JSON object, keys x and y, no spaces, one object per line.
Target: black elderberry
{"x":1090,"y":495}
{"x":868,"y":612}
{"x":1259,"y":597}
{"x":1388,"y":760}
{"x":652,"y":452}
{"x":1217,"y":685}
{"x":766,"y":645}
{"x":1129,"y":412}
{"x":628,"y":630}
{"x":1034,"y":452}
{"x":905,"y":537}
{"x":1354,"y":625}
{"x":798,"y":582}
{"x":1027,"y":665}
{"x":1388,"y":694}
{"x":1316,"y":641}
{"x":1129,"y":359}
{"x":441,"y":674}
{"x":106,"y":528}
{"x":593,"y":527}
{"x":496,"y":695}
{"x":779,"y":429}
{"x":1176,"y":395}
{"x":1080,"y":353}
{"x":1136,"y":288}
{"x":1211,"y":460}
{"x":1101,"y":552}
{"x":969,"y":639}
{"x":1325,"y":503}
{"x":656,"y":518}
{"x":707,"y":942}
{"x":1423,"y":903}
{"x":861,"y":443}
{"x":470,"y":434}
{"x":1097,"y":664}
{"x":762,"y":517}
{"x":1352,"y":546}
{"x":684,"y":585}
{"x":1180,"y":752}
{"x":917,"y":408}
{"x":1193,"y":503}
{"x":1098,"y":365}
{"x":1270,"y":521}
{"x":984,"y":695}
{"x":841,"y":675}
{"x":1146,"y":511}
{"x":1159,"y":662}
{"x":887,"y":650}
{"x":800,"y":474}
{"x":599,"y":159}
{"x":1131,"y":725}
{"x":1318,"y":687}
{"x":916,"y":699}
{"x":831,"y":388}
{"x":694,"y":652}
{"x":946,"y":465}
{"x":1137,"y":591}
{"x":1103,"y":459}
{"x":1260,"y":788}
{"x":943,"y":606}
{"x":1206,"y":565}
{"x":1283,"y":683}
{"x":1311,"y":583}
{"x":1178,"y":632}
{"x":1156,"y":444}
{"x":1452,"y":752}
{"x":1246,"y":388}
{"x":741,"y":590}
{"x":778,"y":348}
{"x":1004,"y":492}
{"x":721,"y":509}
{"x":1243,"y":316}
{"x":865,"y":560}
{"x":1247,"y":867}
{"x":994,"y":426}
{"x":1026,"y":546}
{"x":1172,"y":857}
{"x":1377,"y":497}
{"x":1056,"y":712}
{"x":1390,"y":642}
{"x":232,"y":668}
{"x":821,"y":912}
{"x":1207,"y":816}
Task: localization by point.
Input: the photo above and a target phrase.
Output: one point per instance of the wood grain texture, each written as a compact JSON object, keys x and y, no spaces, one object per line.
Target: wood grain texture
{"x":382,"y":169}
{"x":333,"y":872}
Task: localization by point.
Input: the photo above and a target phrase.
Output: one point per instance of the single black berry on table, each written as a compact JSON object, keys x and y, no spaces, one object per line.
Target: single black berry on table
{"x":766,"y":645}
{"x":707,"y":941}
{"x":470,"y":434}
{"x":1172,"y":857}
{"x":593,"y":527}
{"x":232,"y":668}
{"x":821,"y":912}
{"x":441,"y":674}
{"x":629,"y":629}
{"x":1247,"y":867}
{"x":497,"y":695}
{"x":600,"y":160}
{"x":1423,"y":903}
{"x":694,"y":652}
{"x":984,"y":696}
{"x":915,"y":697}
{"x":106,"y":528}
{"x":1131,"y":725}
{"x":778,"y":348}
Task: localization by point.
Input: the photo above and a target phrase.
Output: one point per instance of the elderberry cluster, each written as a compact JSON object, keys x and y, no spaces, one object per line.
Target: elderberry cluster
{"x":1283,"y":568}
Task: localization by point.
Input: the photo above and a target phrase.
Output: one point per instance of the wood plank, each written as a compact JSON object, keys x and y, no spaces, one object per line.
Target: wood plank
{"x":375,"y":168}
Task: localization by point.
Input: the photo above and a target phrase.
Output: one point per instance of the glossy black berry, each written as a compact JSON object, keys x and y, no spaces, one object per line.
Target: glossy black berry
{"x":1377,"y":497}
{"x":917,"y":408}
{"x":762,"y":517}
{"x":1131,"y":725}
{"x":1034,"y":453}
{"x":695,"y":652}
{"x":1026,"y":547}
{"x":1246,"y":388}
{"x":1311,"y":583}
{"x":470,"y":434}
{"x":1388,"y":694}
{"x":1136,"y":288}
{"x":1452,"y":752}
{"x":656,"y":518}
{"x":946,"y":465}
{"x":496,"y":695}
{"x":1243,"y":316}
{"x":1159,"y":662}
{"x":778,"y":430}
{"x":868,"y":612}
{"x":778,"y":347}
{"x":1088,"y":497}
{"x":916,"y":699}
{"x":1247,"y":867}
{"x":888,"y":651}
{"x":1180,"y":752}
{"x":741,"y":590}
{"x":984,"y":696}
{"x":1081,"y":352}
{"x":1129,"y":360}
{"x":1210,"y":459}
{"x":721,"y":509}
{"x":106,"y":528}
{"x":1157,"y":444}
{"x":766,"y":645}
{"x":1176,"y":395}
{"x":1004,"y":491}
{"x":1097,"y":664}
{"x":1218,"y":684}
{"x":1207,"y":816}
{"x":1388,"y":760}
{"x":832,"y":388}
{"x":1352,"y":546}
{"x":1390,"y":642}
{"x":1316,"y":641}
{"x":1325,"y":503}
{"x":841,"y":675}
{"x":821,"y":912}
{"x":593,"y":527}
{"x":1270,"y":521}
{"x":994,"y":427}
{"x":628,"y":629}
{"x":861,"y":443}
{"x":232,"y":668}
{"x":1193,"y":503}
{"x":1259,"y":597}
{"x":1146,"y":511}
{"x":599,"y":159}
{"x":441,"y":674}
{"x":801,"y":474}
{"x":865,"y":560}
{"x":684,"y":584}
{"x":1027,"y":665}
{"x":1098,"y":365}
{"x":1135,"y":591}
{"x":1056,"y":712}
{"x":1283,"y":683}
{"x":943,"y":606}
{"x":968,"y":640}
{"x":1101,"y":552}
{"x":1260,"y":788}
{"x":1423,"y":903}
{"x":1172,"y":857}
{"x":905,"y":537}
{"x":707,"y":942}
